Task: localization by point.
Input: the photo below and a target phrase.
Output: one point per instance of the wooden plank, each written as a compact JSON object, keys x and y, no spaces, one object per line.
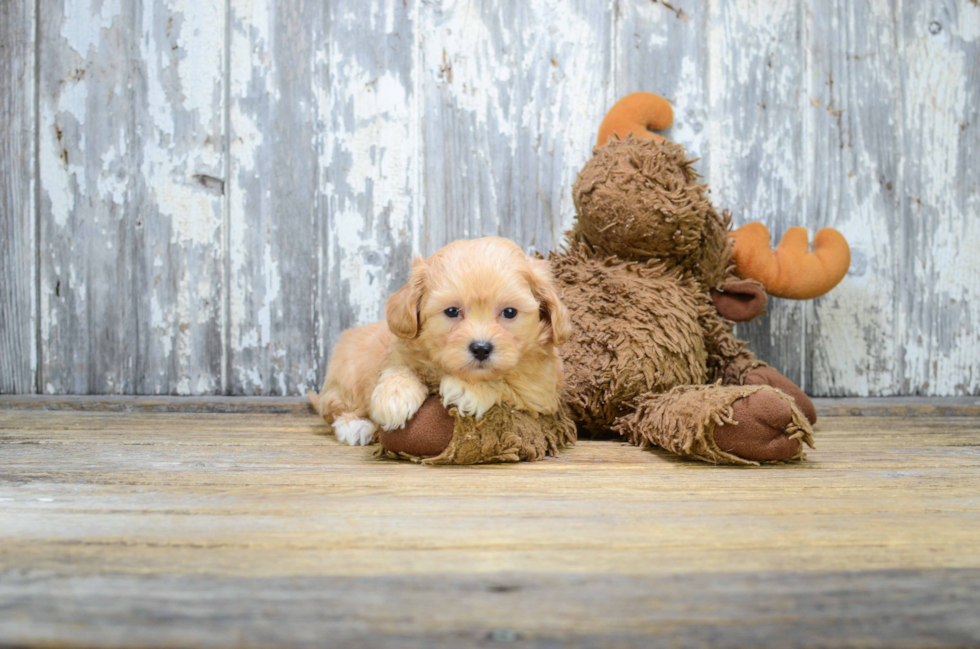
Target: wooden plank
{"x":88,"y":157}
{"x":131,"y":168}
{"x":272,"y":233}
{"x":901,"y":323}
{"x":853,"y":121}
{"x":663,"y":48}
{"x":513,"y":96}
{"x":938,"y":283}
{"x":756,"y":66}
{"x":18,"y":332}
{"x":177,"y":262}
{"x":902,"y":608}
{"x":369,"y":193}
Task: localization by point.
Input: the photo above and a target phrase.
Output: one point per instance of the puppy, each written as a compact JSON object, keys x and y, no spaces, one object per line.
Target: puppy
{"x":479,"y":321}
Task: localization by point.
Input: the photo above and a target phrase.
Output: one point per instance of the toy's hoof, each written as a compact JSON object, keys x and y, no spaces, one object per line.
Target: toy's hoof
{"x":427,"y":434}
{"x":769,"y":376}
{"x":760,"y":433}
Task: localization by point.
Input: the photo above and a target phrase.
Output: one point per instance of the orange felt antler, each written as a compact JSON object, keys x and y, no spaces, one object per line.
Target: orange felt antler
{"x":638,"y":114}
{"x":791,"y":270}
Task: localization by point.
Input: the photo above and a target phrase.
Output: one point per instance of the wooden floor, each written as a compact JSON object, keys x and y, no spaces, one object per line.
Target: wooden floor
{"x":228,"y":522}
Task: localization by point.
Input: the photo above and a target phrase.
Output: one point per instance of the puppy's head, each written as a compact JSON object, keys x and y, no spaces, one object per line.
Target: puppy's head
{"x":478,"y":308}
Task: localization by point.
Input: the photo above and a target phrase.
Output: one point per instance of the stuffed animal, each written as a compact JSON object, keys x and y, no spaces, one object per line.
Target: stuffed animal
{"x":653,"y":278}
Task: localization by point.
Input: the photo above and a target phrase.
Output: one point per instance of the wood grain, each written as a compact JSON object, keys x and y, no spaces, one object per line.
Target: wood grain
{"x":18,"y":316}
{"x":89,"y":162}
{"x":271,"y":253}
{"x":188,"y":525}
{"x":369,"y":199}
{"x":901,"y":608}
{"x":513,"y":94}
{"x":940,"y":141}
{"x":664,"y":48}
{"x":131,"y":166}
{"x":853,"y":125}
{"x":179,"y":253}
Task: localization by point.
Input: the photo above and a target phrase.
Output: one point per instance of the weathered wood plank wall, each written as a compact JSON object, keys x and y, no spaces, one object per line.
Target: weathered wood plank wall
{"x":18,"y":313}
{"x":197,"y":197}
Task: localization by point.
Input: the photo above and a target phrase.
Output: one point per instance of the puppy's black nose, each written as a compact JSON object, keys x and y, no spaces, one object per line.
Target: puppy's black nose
{"x":481,"y":350}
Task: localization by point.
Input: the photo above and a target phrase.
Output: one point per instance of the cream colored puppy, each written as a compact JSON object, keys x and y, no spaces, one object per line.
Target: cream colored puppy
{"x":478,"y":320}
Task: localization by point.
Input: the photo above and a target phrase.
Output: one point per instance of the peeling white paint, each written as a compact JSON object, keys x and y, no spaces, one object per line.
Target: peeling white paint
{"x":201,"y":38}
{"x":943,"y":349}
{"x":194,"y":217}
{"x":160,"y":324}
{"x":181,"y":120}
{"x":112,"y":185}
{"x":62,"y":177}
{"x":459,"y":54}
{"x":55,"y":176}
{"x":689,"y":113}
{"x":271,"y":281}
{"x":379,"y":171}
{"x":84,"y":21}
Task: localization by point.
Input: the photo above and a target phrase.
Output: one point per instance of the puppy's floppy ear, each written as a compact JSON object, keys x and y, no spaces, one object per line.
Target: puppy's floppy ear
{"x":402,"y":309}
{"x":553,"y":312}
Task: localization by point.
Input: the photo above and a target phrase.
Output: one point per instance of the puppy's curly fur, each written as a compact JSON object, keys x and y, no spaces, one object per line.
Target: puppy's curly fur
{"x":479,"y":321}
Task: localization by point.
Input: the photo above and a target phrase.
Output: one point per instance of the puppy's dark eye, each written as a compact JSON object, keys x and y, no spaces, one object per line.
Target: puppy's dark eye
{"x":452,"y":312}
{"x":510,"y":313}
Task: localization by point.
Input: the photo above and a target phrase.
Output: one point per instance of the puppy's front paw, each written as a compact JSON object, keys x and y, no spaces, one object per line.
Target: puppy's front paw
{"x":396,"y":398}
{"x":353,"y":430}
{"x":471,"y":400}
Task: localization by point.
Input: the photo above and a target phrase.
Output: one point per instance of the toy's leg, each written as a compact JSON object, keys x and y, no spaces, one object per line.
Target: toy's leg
{"x":722,"y":424}
{"x":766,"y":375}
{"x":437,"y":436}
{"x":732,"y":364}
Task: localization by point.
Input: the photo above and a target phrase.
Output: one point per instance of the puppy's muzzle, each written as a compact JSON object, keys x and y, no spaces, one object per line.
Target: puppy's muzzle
{"x":481,"y":350}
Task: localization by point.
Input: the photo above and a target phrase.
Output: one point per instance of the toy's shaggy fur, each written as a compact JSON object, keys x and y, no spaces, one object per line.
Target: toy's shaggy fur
{"x":685,"y":421}
{"x":502,"y":435}
{"x":649,"y":356}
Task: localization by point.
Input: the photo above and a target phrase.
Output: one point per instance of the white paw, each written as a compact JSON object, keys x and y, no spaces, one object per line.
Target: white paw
{"x":354,"y":431}
{"x":471,"y":400}
{"x":396,"y":399}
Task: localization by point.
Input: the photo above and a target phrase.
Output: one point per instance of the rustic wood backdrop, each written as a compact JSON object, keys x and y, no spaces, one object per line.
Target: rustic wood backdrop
{"x":197,"y":196}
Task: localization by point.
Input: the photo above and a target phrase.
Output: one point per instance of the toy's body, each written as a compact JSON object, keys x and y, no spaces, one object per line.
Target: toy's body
{"x":636,"y":331}
{"x":650,"y":356}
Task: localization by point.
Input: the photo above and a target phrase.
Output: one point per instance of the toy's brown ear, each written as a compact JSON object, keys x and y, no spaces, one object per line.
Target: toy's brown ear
{"x":553,"y":312}
{"x":739,"y":301}
{"x":402,"y":309}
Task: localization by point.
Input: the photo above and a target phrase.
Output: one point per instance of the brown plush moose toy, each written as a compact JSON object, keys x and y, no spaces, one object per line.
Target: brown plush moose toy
{"x":653,"y":278}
